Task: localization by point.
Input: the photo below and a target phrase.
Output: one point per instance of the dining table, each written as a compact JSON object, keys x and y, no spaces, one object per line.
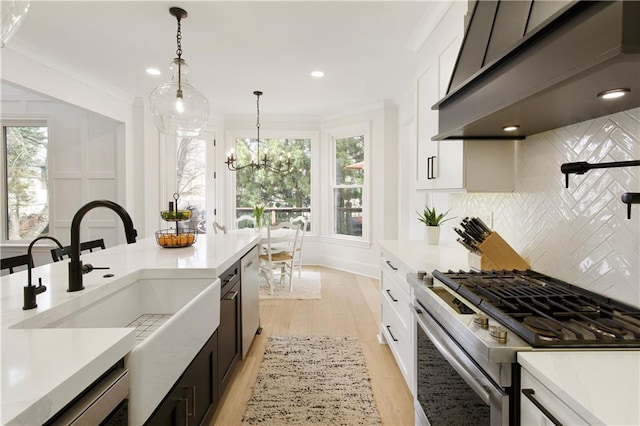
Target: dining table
{"x":280,"y":238}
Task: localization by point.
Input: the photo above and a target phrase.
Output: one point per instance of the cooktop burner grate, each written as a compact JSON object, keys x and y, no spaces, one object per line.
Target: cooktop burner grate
{"x":545,"y":311}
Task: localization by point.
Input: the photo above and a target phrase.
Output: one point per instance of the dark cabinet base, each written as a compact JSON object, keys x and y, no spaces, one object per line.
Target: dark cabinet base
{"x":194,"y":397}
{"x":229,"y":330}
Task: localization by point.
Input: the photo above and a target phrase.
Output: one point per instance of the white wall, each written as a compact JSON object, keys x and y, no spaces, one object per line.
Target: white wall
{"x":84,"y":163}
{"x":42,"y":75}
{"x":383,"y":195}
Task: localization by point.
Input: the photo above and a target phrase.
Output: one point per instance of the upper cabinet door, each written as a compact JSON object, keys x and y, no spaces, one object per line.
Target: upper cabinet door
{"x":454,"y":164}
{"x":428,"y":93}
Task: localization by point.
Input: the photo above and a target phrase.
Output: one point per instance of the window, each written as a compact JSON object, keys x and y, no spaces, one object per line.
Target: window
{"x":191,"y":181}
{"x":348,"y":185}
{"x":285,"y":195}
{"x":26,"y":197}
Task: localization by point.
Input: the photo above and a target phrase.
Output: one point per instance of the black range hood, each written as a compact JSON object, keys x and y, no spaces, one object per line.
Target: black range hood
{"x":539,"y":65}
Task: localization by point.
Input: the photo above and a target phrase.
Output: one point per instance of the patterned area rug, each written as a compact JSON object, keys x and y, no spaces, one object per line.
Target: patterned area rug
{"x":312,"y":380}
{"x":306,"y":287}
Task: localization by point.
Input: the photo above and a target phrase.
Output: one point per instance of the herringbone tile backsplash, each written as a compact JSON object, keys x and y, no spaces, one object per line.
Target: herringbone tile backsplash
{"x":581,"y":234}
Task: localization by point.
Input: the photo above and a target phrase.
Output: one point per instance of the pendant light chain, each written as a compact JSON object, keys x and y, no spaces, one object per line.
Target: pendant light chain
{"x":179,"y":39}
{"x":179,"y":53}
{"x":258,"y":119}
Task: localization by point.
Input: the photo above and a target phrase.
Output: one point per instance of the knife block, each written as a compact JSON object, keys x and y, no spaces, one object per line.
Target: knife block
{"x":498,"y":255}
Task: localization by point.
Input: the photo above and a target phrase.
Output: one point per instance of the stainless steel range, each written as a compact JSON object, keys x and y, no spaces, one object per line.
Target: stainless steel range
{"x":470,"y":326}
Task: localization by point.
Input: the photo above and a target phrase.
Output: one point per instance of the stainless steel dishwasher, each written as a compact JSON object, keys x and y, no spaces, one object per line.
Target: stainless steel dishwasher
{"x":250,"y":296}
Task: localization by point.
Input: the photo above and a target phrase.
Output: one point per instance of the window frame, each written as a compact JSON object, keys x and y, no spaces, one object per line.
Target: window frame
{"x":250,"y":133}
{"x":333,"y":135}
{"x":23,"y":121}
{"x":168,"y":186}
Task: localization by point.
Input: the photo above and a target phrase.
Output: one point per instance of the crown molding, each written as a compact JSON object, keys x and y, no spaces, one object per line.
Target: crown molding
{"x":47,"y":60}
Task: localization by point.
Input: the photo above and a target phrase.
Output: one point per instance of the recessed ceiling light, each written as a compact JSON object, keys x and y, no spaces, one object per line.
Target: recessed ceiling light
{"x":317,"y":74}
{"x":614,"y":93}
{"x":510,"y":128}
{"x":153,"y":71}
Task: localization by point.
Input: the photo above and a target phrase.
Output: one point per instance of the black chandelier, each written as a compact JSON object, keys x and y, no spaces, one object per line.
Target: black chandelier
{"x":259,"y":162}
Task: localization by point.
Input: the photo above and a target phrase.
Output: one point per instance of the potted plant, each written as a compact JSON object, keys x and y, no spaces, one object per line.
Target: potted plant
{"x":433,"y":220}
{"x":258,"y":212}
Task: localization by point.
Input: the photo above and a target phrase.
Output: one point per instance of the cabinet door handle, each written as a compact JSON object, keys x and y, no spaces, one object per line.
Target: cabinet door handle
{"x":193,"y":396}
{"x":391,"y":334}
{"x":391,"y":266}
{"x":431,"y":167}
{"x":529,"y":394}
{"x":231,"y":295}
{"x":248,"y":265}
{"x":231,"y":278}
{"x":186,"y":410}
{"x":432,"y":176}
{"x":193,"y":400}
{"x":391,"y":296}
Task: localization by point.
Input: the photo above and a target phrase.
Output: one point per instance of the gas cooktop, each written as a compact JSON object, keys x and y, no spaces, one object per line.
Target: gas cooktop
{"x":547,"y":312}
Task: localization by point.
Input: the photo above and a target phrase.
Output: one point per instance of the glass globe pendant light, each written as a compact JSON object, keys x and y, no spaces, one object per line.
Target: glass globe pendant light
{"x":177,"y":108}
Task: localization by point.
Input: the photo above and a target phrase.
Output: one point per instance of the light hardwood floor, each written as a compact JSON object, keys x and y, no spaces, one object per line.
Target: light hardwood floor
{"x":349,"y":307}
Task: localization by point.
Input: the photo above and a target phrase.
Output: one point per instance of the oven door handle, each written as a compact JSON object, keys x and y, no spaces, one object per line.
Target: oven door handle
{"x":472,"y":381}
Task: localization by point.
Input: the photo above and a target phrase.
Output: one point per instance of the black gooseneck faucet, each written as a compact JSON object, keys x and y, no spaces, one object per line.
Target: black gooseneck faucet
{"x":75,"y":264}
{"x":30,"y":291}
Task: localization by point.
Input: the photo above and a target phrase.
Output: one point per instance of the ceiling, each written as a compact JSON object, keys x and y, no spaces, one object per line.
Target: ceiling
{"x":235,"y":47}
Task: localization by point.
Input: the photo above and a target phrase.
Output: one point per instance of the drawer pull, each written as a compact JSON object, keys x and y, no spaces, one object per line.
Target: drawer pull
{"x":186,"y":410}
{"x":391,"y":266}
{"x":391,"y":296}
{"x":231,"y":295}
{"x":529,"y":394}
{"x":228,"y":280}
{"x":193,"y":401}
{"x":391,"y":334}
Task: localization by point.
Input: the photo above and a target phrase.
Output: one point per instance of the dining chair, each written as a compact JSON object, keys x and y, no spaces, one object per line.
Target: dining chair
{"x":65,"y":252}
{"x":245,"y":218}
{"x":297,"y":255}
{"x":277,"y":254}
{"x":217,"y":228}
{"x":15,"y":261}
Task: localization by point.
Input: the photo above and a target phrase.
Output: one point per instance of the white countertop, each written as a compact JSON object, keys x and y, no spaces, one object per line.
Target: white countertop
{"x":418,"y":255}
{"x":42,"y":369}
{"x":603,"y":387}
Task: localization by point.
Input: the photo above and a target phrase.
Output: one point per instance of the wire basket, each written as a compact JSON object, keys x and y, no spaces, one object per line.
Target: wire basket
{"x":170,"y":238}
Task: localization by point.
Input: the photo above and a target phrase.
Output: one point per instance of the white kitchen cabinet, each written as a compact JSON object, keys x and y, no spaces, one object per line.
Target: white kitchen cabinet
{"x":540,"y":406}
{"x":471,"y":165}
{"x":580,"y":386}
{"x":396,"y":324}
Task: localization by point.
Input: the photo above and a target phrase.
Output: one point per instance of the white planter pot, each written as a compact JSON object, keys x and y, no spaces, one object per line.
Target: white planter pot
{"x":433,"y":235}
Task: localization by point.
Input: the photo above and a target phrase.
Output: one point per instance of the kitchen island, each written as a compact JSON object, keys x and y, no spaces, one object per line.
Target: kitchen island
{"x":45,"y":368}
